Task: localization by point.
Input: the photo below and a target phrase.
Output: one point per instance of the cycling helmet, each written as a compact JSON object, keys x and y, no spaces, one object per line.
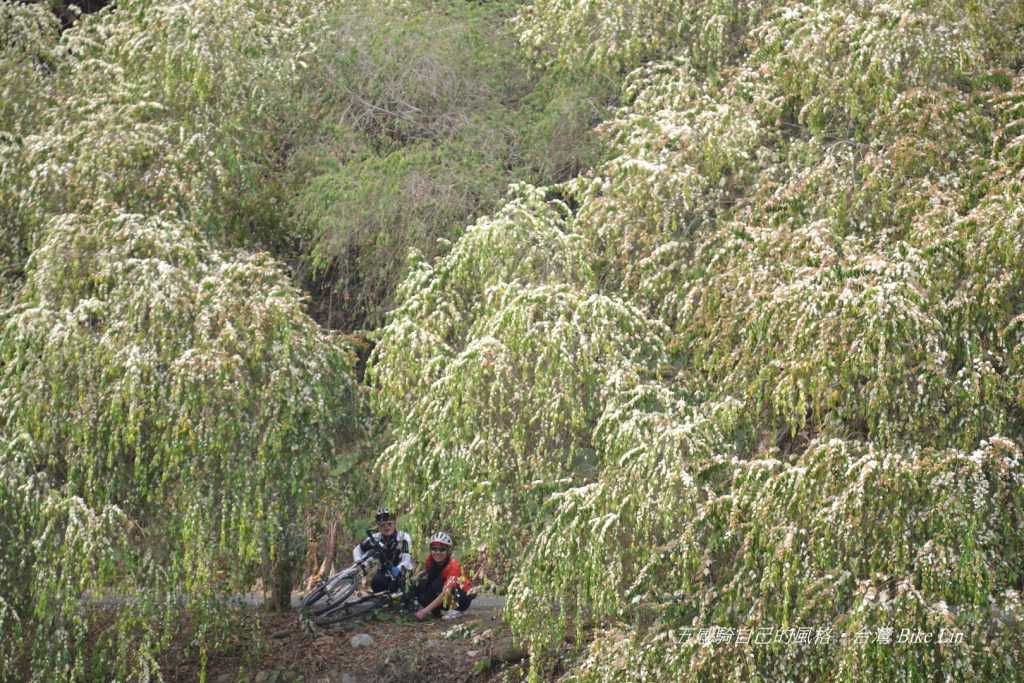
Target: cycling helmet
{"x":384,"y":515}
{"x":441,"y":538}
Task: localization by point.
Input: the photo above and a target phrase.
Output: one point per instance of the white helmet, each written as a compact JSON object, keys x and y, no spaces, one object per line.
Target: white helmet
{"x":441,"y":538}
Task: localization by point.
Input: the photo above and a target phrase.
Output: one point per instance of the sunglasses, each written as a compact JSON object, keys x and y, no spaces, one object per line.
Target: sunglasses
{"x":438,"y":548}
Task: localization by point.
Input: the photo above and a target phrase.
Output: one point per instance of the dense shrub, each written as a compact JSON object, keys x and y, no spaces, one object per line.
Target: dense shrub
{"x":170,"y":411}
{"x":751,"y":360}
{"x":818,"y":231}
{"x":54,"y":549}
{"x":142,"y":370}
{"x":429,"y":115}
{"x":28,"y":51}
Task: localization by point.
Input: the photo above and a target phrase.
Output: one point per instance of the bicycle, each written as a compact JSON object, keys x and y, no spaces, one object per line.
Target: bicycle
{"x":330,"y":601}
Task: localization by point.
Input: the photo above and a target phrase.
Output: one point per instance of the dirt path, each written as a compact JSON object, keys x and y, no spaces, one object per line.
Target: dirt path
{"x":383,"y":648}
{"x":483,"y":601}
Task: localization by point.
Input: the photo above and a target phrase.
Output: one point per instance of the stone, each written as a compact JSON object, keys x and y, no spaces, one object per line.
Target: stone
{"x":361,"y":640}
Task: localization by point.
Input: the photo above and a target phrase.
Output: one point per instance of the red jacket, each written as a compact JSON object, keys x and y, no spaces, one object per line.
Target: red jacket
{"x":451,"y":574}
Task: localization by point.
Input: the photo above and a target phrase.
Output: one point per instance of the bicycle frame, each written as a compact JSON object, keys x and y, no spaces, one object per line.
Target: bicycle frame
{"x":347,"y":608}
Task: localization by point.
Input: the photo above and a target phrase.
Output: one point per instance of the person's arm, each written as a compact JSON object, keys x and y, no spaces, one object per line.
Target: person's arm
{"x":405,"y":560}
{"x":434,"y":604}
{"x":459,"y":577}
{"x":359,"y":552}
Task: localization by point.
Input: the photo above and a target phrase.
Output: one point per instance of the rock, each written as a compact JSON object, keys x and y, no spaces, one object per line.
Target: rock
{"x":361,"y":640}
{"x":347,"y":678}
{"x":225,"y":678}
{"x":268,"y":677}
{"x":434,"y":644}
{"x":472,"y":653}
{"x":505,"y":651}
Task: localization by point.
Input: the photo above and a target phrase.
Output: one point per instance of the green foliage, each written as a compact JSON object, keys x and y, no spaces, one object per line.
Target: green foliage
{"x":403,"y":72}
{"x":28,"y":50}
{"x":187,"y":388}
{"x":229,"y":74}
{"x":172,"y":409}
{"x":429,"y":114}
{"x":605,"y":39}
{"x":54,"y":549}
{"x":372,"y":211}
{"x":759,"y":367}
{"x":123,"y":109}
{"x":441,"y":303}
{"x":817,"y":233}
{"x":848,"y":538}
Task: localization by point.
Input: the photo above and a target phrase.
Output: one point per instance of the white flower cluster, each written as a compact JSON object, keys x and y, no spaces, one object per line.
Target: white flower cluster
{"x":174,"y":392}
{"x":811,"y":224}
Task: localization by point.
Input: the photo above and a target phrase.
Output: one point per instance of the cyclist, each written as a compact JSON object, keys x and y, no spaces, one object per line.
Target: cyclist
{"x":442,"y":584}
{"x":396,"y":548}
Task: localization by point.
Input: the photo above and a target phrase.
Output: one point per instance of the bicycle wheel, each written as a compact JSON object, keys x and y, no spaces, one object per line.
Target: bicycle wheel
{"x":319,"y":590}
{"x":334,"y":592}
{"x":350,"y":610}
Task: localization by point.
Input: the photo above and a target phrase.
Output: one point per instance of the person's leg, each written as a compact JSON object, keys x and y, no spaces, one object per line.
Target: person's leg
{"x":428,"y":592}
{"x":462,"y":599}
{"x":380,"y":582}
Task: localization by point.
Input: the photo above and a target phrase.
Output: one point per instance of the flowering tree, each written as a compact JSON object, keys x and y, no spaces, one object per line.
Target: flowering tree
{"x":798,"y":405}
{"x":187,"y":394}
{"x":169,"y":408}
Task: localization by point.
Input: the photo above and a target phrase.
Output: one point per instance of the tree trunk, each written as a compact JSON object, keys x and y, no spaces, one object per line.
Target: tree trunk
{"x":281,"y":586}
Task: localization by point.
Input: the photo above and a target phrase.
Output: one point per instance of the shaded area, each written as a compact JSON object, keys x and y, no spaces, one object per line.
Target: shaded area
{"x":68,"y":12}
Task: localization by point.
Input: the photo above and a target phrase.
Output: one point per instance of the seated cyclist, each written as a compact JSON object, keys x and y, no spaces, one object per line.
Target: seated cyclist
{"x":442,"y":584}
{"x":396,"y":553}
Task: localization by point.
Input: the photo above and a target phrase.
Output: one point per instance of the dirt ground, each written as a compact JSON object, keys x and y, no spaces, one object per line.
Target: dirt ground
{"x":476,"y":647}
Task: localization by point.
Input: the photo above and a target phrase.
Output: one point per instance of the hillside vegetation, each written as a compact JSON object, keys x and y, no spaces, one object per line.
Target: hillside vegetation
{"x":170,"y":408}
{"x":763,"y":367}
{"x":187,"y":190}
{"x":683,"y":315}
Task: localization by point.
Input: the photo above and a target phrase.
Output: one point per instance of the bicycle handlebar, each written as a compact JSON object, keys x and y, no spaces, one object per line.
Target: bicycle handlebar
{"x":376,"y":550}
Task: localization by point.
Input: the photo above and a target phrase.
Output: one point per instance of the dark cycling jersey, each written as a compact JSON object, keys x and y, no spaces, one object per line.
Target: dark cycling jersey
{"x":396,"y":549}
